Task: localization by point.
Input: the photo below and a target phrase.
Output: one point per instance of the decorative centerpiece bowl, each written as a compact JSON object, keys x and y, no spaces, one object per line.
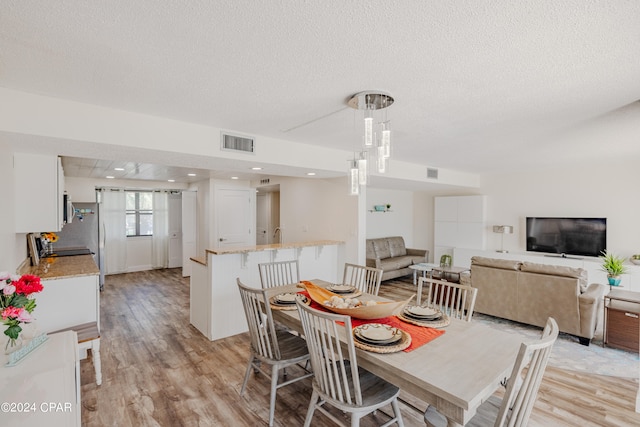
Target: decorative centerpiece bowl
{"x":375,"y":311}
{"x":635,"y":259}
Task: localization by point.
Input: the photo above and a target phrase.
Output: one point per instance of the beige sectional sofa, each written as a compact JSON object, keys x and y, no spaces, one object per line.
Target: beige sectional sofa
{"x":391,"y":255}
{"x":529,"y":293}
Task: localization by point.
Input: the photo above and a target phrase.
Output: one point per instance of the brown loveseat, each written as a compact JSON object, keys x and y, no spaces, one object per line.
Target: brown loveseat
{"x":530,"y":293}
{"x":391,"y":255}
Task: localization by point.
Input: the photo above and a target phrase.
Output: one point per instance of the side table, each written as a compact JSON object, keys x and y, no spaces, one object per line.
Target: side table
{"x":425,"y":267}
{"x":622,"y":320}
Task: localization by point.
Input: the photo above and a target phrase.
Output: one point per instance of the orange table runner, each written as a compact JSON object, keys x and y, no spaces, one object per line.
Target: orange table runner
{"x":420,"y":335}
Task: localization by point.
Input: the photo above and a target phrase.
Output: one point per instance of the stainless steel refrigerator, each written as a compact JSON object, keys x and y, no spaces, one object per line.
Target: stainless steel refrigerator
{"x":84,"y":231}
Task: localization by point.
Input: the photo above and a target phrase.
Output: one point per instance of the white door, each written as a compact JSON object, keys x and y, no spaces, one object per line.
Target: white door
{"x":175,"y":230}
{"x":234,"y":224}
{"x":188,"y":230}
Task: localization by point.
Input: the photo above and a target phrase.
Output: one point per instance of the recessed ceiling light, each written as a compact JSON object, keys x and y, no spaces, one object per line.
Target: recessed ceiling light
{"x":109,"y":177}
{"x":311,"y":173}
{"x":256,"y":169}
{"x":118,"y":169}
{"x":234,"y":177}
{"x":191,"y":174}
{"x":171,"y":180}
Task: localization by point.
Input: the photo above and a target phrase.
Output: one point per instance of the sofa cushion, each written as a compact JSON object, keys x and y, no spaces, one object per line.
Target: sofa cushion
{"x":504,"y":264}
{"x":557,"y":270}
{"x":396,"y":263}
{"x":381,"y":247}
{"x":396,"y":246}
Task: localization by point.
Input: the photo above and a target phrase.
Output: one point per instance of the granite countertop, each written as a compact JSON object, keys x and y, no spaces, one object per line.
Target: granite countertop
{"x":61,"y":267}
{"x":258,"y":248}
{"x":272,"y":247}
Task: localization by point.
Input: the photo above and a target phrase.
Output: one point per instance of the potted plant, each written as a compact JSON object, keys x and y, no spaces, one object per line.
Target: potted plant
{"x":613,"y":266}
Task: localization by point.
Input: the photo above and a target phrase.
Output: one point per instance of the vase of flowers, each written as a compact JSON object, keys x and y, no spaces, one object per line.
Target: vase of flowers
{"x":48,"y":239}
{"x":17,"y":303}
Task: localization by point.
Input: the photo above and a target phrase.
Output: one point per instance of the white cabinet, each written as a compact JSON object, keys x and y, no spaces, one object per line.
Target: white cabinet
{"x":459,"y":222}
{"x":39,"y":188}
{"x":43,"y":389}
{"x":66,"y":302}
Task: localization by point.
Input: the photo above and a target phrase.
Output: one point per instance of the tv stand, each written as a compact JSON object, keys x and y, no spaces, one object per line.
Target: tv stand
{"x":563,"y":256}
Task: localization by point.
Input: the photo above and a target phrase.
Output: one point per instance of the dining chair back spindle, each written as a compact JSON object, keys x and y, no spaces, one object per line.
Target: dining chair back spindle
{"x":457,"y":301}
{"x":522,"y":387}
{"x":337,"y":379}
{"x":366,"y":279}
{"x":270,"y":345}
{"x":279,"y":273}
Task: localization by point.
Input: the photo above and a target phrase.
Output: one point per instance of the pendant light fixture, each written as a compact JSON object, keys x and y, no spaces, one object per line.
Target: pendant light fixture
{"x":376,"y":136}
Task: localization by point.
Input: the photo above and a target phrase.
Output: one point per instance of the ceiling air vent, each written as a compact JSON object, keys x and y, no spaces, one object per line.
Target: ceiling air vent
{"x":432,"y":173}
{"x":237,"y":143}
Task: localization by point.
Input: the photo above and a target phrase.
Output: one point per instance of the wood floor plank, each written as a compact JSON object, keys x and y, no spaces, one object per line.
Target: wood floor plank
{"x":158,"y":370}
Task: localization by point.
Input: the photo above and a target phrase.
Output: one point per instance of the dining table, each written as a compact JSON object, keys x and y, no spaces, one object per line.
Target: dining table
{"x":455,"y":372}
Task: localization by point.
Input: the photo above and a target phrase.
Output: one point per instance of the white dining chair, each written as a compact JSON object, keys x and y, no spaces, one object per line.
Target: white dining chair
{"x":337,"y":378}
{"x":270,"y":345}
{"x":515,"y":407}
{"x":366,"y":279}
{"x":457,"y":301}
{"x":279,"y":273}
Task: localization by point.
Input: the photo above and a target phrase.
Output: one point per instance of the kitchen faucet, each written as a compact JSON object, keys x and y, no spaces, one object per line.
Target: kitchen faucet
{"x":276,"y":231}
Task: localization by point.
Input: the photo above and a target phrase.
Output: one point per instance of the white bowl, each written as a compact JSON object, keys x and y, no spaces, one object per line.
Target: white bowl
{"x":635,"y":261}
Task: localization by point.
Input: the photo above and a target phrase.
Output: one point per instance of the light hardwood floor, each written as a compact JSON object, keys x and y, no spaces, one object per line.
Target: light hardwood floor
{"x":158,"y":370}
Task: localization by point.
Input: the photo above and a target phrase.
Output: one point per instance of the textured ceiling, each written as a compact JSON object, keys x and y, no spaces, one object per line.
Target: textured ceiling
{"x":480,"y":86}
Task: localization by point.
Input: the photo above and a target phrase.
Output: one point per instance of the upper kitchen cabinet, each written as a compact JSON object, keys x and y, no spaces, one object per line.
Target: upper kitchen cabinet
{"x":39,"y":190}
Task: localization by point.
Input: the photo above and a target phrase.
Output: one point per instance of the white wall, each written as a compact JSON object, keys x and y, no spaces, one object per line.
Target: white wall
{"x":423,"y":208}
{"x":319,"y":209}
{"x":606,"y":190}
{"x":397,"y":222}
{"x":202,"y":216}
{"x":12,"y":246}
{"x":43,"y":123}
{"x":139,"y":250}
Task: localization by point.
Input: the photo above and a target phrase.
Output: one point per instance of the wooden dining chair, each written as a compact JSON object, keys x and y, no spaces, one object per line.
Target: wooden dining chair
{"x":337,"y":378}
{"x":457,"y":301}
{"x":366,"y":279}
{"x":270,"y":345}
{"x":515,"y":407}
{"x":279,"y":273}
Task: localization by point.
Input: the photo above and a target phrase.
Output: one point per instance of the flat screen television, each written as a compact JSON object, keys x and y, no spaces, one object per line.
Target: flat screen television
{"x":567,"y":236}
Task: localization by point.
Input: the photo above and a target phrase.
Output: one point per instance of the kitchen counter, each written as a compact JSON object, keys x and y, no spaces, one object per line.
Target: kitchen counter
{"x":260,"y":248}
{"x":272,"y":247}
{"x":71,"y":294}
{"x":63,"y":267}
{"x":215,"y":307}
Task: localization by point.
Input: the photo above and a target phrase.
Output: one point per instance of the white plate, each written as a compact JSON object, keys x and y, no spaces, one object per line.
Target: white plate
{"x":287,"y":298}
{"x":422,"y":311}
{"x":377,"y":332}
{"x":342,"y":288}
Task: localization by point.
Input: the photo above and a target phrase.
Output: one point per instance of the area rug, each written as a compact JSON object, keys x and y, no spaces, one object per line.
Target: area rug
{"x":569,"y":354}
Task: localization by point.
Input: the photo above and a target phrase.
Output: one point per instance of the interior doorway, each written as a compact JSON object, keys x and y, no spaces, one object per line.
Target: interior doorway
{"x":268,"y":215}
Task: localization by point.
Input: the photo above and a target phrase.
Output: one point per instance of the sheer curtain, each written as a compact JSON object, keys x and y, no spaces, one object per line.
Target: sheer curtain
{"x":113,"y":220}
{"x":160,"y":242}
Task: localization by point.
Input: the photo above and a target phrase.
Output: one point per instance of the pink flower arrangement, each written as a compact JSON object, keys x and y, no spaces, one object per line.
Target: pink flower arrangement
{"x":17,"y":302}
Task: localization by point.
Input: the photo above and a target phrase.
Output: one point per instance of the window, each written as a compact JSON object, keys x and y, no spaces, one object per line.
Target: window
{"x":139,"y":213}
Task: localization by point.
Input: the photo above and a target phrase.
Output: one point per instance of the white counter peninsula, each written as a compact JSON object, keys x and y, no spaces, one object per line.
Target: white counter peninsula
{"x":215,"y":306}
